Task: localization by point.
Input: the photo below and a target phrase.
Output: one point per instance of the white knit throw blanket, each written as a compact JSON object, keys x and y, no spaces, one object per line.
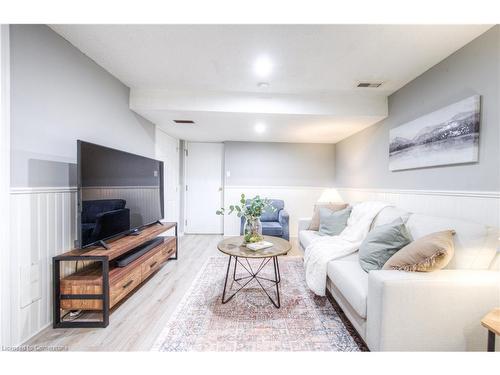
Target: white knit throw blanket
{"x":327,"y":248}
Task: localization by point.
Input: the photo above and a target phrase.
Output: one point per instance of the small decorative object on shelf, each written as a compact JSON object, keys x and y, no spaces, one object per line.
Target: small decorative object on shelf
{"x":251,"y":211}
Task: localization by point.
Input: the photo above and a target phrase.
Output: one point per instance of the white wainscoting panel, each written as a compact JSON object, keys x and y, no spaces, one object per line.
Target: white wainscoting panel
{"x":299,"y":202}
{"x":478,"y":206}
{"x":43,"y":224}
{"x":143,"y":199}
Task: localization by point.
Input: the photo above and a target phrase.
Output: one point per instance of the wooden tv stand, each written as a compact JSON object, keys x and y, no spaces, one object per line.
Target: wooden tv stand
{"x":100,"y":286}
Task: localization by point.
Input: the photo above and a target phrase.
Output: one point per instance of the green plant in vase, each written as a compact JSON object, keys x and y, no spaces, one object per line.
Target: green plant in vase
{"x":251,"y":211}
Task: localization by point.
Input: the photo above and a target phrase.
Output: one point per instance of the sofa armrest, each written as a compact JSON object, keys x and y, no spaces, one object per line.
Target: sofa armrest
{"x":283,"y":219}
{"x":304,"y":223}
{"x":422,"y":311}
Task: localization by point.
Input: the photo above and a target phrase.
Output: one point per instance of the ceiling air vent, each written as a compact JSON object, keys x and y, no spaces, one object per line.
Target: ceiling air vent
{"x":184,"y":121}
{"x":370,"y":84}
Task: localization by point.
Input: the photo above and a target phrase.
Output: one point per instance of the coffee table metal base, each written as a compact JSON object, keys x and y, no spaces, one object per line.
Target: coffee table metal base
{"x":253,"y":275}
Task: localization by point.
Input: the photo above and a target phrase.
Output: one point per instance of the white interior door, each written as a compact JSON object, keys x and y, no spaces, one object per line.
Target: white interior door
{"x":204,"y":188}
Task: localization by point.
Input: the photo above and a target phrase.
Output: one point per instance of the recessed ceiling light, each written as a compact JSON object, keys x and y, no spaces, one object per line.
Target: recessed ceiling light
{"x":260,"y":127}
{"x":263,"y":85}
{"x":263,"y":66}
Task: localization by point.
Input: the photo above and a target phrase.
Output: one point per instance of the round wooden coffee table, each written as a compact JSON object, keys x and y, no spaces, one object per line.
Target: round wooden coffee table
{"x":233,"y":246}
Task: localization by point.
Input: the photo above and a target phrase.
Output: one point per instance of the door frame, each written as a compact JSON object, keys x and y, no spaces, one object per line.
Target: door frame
{"x":185,"y":171}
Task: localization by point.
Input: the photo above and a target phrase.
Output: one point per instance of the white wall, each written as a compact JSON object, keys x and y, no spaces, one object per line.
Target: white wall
{"x":279,"y":164}
{"x":58,"y":96}
{"x":4,"y":186}
{"x":167,"y":150}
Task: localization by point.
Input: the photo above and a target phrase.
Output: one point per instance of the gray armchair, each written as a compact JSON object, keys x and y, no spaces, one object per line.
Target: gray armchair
{"x":273,"y":223}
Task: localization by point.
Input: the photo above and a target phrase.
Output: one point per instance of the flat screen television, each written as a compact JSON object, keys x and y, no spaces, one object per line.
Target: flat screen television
{"x":118,"y":193}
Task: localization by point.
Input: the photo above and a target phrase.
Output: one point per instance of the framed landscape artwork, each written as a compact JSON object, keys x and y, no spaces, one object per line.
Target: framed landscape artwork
{"x":449,"y":135}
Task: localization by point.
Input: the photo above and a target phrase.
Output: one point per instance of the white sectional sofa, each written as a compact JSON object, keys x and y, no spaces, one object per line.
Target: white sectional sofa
{"x":415,"y":311}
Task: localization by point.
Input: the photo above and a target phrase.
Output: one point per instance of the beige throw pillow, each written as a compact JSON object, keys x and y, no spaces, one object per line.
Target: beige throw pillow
{"x":314,"y":225}
{"x":429,"y":253}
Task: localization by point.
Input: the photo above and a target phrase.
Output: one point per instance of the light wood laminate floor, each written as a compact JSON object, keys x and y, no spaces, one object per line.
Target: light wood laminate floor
{"x":136,"y":323}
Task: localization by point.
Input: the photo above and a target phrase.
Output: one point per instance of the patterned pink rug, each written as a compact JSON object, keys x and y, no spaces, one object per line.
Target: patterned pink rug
{"x":249,"y":322}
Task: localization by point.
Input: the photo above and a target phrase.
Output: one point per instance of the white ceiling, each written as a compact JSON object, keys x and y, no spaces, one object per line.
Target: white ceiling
{"x":240,"y":126}
{"x":314,"y":68}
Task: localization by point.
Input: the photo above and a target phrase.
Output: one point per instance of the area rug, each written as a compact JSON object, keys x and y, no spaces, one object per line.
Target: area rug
{"x":249,"y":321}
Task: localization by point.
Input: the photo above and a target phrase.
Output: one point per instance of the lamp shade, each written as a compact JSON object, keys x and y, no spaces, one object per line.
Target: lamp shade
{"x":330,"y":195}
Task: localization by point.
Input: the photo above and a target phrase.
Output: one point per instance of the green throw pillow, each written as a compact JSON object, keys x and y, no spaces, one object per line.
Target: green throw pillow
{"x":332,"y":223}
{"x":381,"y":243}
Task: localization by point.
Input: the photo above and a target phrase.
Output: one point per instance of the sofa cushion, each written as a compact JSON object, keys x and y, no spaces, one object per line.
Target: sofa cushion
{"x":272,"y":228}
{"x":429,"y":253}
{"x":474,"y":243}
{"x":332,"y":223}
{"x":389,"y":214}
{"x":306,"y":237}
{"x":350,"y":279}
{"x":314,"y":224}
{"x":381,"y":243}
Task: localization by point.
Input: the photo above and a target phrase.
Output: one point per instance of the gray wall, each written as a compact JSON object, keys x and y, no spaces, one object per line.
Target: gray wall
{"x":362,"y":159}
{"x":279,"y":164}
{"x":59,"y":95}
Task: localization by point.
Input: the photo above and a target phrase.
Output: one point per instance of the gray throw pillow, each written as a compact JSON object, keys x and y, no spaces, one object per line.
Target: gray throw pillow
{"x":332,"y":223}
{"x":382,"y":243}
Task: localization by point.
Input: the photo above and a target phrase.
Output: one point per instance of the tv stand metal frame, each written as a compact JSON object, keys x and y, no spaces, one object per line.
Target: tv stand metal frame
{"x":104,"y":260}
{"x":58,"y":296}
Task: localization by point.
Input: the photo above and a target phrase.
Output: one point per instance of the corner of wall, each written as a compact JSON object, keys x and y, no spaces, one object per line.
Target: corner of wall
{"x":5,"y":295}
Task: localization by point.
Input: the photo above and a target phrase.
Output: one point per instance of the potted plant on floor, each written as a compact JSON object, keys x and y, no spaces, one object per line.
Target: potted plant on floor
{"x":251,"y":211}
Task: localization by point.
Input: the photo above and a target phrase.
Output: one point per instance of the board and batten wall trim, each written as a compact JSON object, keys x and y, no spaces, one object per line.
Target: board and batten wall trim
{"x":479,"y":206}
{"x":38,"y":190}
{"x":43,"y":225}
